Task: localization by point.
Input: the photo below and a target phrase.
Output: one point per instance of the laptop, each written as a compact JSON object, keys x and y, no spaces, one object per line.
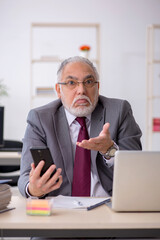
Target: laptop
{"x":136,"y":181}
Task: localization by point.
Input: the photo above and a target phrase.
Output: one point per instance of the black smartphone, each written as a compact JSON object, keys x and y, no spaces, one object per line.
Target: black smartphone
{"x":42,"y":153}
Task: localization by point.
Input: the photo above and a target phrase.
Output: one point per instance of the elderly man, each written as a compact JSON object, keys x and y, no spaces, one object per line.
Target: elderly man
{"x":83,"y":130}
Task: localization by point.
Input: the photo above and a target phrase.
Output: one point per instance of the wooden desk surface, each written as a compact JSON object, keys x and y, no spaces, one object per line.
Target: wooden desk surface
{"x":99,"y":222}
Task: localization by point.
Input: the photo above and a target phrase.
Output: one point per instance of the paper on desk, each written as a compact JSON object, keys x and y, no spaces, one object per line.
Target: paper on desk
{"x":5,"y":181}
{"x":68,"y":202}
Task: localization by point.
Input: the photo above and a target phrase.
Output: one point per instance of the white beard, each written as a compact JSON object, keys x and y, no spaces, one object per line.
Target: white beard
{"x":82,"y":110}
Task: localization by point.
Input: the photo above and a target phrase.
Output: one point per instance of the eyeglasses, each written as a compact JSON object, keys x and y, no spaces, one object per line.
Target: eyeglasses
{"x":71,"y":84}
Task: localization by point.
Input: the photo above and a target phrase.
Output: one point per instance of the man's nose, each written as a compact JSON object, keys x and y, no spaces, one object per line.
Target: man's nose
{"x":80,"y":87}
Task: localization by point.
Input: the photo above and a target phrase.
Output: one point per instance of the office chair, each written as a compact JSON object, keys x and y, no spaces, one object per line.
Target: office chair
{"x":15,"y":146}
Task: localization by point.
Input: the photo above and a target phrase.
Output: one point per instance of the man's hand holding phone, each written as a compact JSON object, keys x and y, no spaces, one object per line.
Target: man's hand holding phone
{"x":41,"y":184}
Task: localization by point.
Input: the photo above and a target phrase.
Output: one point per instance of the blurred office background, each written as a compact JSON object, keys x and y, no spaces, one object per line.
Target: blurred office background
{"x":118,"y":48}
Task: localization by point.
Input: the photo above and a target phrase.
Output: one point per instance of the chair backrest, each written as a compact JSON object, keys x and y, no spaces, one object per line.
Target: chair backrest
{"x":11,"y":145}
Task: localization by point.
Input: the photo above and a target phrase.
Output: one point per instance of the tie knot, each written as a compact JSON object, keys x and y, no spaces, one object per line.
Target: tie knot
{"x":81,"y":121}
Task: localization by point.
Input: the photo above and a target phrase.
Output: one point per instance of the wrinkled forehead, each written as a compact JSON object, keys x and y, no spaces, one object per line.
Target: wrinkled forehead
{"x":78,"y":69}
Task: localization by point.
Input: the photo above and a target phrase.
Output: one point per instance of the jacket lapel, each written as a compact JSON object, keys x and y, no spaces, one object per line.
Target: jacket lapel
{"x":97,"y":122}
{"x":64,"y":140}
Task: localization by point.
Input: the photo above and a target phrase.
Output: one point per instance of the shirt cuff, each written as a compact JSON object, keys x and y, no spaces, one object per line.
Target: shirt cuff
{"x":29,"y":195}
{"x":109,"y":162}
{"x":27,"y":192}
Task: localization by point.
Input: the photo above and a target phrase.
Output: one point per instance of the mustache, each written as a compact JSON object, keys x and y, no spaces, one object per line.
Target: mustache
{"x":80,"y":98}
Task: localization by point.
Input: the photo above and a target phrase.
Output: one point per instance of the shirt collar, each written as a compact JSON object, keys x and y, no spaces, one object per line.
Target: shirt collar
{"x":71,"y":117}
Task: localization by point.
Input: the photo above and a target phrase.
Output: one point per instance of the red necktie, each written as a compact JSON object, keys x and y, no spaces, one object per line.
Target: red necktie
{"x":82,"y":164}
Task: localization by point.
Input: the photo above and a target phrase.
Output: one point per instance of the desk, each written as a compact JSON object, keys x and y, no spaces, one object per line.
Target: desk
{"x":99,"y":222}
{"x":10,"y":158}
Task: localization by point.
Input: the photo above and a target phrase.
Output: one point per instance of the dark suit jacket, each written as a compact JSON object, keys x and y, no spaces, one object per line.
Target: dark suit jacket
{"x":47,"y":125}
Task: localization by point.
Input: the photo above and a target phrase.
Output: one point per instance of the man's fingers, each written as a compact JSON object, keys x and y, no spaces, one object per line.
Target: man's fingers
{"x":105,"y":129}
{"x":37,"y":170}
{"x":91,"y":143}
{"x":47,"y":174}
{"x":57,"y":184}
{"x":99,"y":143}
{"x":44,"y":184}
{"x":53,"y":180}
{"x":52,"y":183}
{"x":32,"y":166}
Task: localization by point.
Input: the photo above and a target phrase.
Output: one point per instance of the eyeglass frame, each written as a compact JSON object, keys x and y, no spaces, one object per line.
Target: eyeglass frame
{"x":77,"y":83}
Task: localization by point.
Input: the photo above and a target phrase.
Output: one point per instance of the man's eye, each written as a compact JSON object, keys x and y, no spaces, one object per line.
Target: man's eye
{"x":71,"y":82}
{"x":89,"y":81}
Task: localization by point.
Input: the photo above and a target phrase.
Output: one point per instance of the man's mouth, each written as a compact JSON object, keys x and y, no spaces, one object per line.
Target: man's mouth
{"x":81,"y":102}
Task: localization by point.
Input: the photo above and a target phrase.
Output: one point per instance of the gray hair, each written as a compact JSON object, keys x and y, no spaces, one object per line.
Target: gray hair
{"x":73,"y":60}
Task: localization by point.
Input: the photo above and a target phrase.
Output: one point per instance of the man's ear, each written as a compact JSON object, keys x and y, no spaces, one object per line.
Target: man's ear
{"x":57,"y":87}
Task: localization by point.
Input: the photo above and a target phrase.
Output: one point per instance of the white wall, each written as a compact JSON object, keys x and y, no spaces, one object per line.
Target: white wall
{"x":123,"y":49}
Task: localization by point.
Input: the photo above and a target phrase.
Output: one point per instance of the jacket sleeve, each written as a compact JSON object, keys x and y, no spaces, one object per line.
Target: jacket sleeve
{"x":124,"y":131}
{"x":34,"y":136}
{"x":128,"y":132}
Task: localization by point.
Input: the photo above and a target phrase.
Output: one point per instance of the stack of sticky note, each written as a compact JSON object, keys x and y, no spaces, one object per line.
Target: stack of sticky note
{"x":38,"y":207}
